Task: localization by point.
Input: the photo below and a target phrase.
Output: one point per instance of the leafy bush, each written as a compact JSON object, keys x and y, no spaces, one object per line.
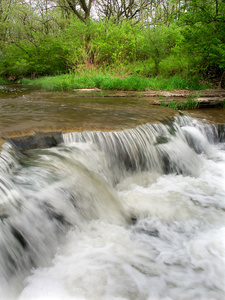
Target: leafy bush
{"x":24,"y":58}
{"x":2,"y":81}
{"x":159,"y":42}
{"x":174,"y":65}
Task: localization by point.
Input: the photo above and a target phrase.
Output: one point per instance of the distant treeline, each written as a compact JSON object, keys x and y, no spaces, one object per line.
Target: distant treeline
{"x":144,"y":38}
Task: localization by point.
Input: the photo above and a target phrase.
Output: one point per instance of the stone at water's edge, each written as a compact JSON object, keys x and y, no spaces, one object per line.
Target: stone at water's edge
{"x":210,"y":101}
{"x":38,"y":140}
{"x":206,"y":98}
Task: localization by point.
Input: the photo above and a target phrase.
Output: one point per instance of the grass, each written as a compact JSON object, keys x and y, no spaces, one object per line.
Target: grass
{"x":190,"y":103}
{"x":107,"y":82}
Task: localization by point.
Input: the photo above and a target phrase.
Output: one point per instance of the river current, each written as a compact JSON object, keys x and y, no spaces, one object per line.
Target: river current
{"x":134,"y":214}
{"x":130,"y":214}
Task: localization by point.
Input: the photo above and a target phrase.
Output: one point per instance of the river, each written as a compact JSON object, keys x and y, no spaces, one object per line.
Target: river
{"x":124,"y":207}
{"x":23,"y":110}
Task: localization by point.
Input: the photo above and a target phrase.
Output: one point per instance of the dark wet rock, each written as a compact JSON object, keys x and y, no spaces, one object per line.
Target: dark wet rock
{"x":19,"y":237}
{"x":221,"y":132}
{"x":206,"y":102}
{"x":151,"y":232}
{"x":37,"y":141}
{"x":161,"y":140}
{"x":133,"y":220}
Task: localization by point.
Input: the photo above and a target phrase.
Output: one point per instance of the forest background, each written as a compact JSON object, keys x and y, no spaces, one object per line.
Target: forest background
{"x":122,"y":38}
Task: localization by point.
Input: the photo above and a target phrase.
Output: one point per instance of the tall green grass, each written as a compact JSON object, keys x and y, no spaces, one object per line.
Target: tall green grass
{"x":190,"y":103}
{"x":106,"y":82}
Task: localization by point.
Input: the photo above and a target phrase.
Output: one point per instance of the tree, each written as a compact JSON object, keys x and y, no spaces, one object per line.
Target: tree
{"x":80,"y":8}
{"x":203,"y":25}
{"x":5,"y":12}
{"x":122,"y":9}
{"x":32,"y":43}
{"x":158,"y":43}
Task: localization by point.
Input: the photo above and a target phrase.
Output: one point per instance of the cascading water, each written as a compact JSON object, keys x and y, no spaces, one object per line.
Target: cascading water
{"x":134,"y":214}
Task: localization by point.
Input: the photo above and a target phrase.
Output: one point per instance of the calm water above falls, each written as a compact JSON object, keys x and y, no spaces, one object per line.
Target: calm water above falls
{"x":27,"y":110}
{"x":23,"y":110}
{"x":133,"y":214}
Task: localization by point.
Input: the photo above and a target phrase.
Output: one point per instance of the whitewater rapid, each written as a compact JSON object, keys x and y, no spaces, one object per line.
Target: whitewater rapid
{"x":135,"y":214}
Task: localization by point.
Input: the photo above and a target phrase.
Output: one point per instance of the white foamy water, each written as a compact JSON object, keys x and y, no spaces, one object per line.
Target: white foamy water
{"x":138,"y":214}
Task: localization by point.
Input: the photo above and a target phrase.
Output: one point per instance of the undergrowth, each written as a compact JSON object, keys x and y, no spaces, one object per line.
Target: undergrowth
{"x":2,"y":81}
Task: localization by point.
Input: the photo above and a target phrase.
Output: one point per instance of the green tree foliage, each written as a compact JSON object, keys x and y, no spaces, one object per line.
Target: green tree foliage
{"x":159,"y":42}
{"x":157,"y":37}
{"x":204,"y":39}
{"x":32,"y":44}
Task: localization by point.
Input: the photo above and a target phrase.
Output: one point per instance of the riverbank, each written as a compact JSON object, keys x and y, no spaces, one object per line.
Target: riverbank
{"x":165,"y":90}
{"x":177,"y":92}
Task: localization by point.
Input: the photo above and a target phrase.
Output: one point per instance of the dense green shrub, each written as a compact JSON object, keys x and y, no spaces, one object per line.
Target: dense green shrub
{"x":2,"y":81}
{"x":46,"y":56}
{"x":159,"y":42}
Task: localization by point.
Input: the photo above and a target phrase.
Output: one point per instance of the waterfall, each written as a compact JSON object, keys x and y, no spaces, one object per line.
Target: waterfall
{"x":133,"y":214}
